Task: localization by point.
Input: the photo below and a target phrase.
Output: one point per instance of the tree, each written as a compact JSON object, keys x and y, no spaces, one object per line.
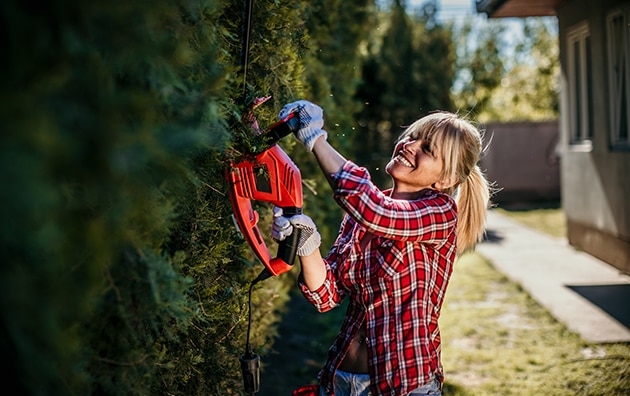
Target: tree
{"x":330,"y":75}
{"x":531,"y":88}
{"x":407,"y":73}
{"x":107,"y":102}
{"x":480,"y":65}
{"x":500,"y":83}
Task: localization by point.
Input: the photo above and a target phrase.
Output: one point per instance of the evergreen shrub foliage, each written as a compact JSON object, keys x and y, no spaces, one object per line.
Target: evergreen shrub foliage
{"x":122,"y":272}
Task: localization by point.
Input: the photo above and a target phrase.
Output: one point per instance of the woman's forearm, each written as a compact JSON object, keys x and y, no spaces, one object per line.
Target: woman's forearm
{"x":313,"y":270}
{"x":329,"y":159}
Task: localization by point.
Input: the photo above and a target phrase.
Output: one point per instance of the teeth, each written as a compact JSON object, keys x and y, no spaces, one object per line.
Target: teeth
{"x":404,"y":161}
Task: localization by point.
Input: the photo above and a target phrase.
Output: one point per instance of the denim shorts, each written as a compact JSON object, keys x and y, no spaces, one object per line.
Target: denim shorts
{"x":348,"y":384}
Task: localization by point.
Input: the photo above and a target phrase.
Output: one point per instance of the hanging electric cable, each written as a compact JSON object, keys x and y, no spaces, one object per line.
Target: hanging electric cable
{"x":282,"y":188}
{"x":250,"y":362}
{"x":245,"y":40}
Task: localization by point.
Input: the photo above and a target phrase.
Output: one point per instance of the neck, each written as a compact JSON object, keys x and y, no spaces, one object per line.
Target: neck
{"x":409,"y":195}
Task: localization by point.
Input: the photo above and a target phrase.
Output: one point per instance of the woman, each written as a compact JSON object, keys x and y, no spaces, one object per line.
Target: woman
{"x":394,"y":254}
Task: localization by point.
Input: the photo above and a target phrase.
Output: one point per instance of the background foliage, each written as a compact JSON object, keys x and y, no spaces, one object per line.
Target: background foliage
{"x":500,"y":80}
{"x":122,"y":272}
{"x":407,"y":72}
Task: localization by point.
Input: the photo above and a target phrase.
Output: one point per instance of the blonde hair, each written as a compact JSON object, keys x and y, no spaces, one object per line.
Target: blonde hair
{"x":460,"y":146}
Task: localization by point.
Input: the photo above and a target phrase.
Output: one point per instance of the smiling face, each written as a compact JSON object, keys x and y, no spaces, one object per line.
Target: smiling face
{"x":416,"y":165}
{"x":436,"y":152}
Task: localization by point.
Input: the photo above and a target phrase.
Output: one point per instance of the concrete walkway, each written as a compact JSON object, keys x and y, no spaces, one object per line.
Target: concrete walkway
{"x":589,"y":296}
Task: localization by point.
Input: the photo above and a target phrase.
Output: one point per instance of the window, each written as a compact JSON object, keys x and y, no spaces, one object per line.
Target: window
{"x":619,"y":76}
{"x":580,"y":83}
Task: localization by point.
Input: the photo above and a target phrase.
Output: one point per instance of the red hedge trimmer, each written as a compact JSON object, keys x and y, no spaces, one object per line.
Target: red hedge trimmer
{"x":270,"y":176}
{"x":267,"y":175}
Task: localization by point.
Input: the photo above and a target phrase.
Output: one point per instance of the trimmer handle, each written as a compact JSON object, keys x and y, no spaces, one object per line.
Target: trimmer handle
{"x":282,"y":128}
{"x":273,"y":134}
{"x":287,"y":248}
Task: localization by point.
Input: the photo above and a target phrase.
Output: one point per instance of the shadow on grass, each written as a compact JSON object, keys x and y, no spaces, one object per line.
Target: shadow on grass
{"x":530,"y":205}
{"x":450,"y":389}
{"x":300,"y":347}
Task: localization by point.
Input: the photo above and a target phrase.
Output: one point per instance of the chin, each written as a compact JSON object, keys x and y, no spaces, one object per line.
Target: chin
{"x":388,"y":168}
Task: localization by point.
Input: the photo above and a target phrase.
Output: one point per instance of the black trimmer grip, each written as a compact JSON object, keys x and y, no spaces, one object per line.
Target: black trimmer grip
{"x":280,"y":129}
{"x":287,"y":249}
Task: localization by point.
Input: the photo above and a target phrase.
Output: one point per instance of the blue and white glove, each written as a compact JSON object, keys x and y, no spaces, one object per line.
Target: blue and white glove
{"x":310,"y":240}
{"x":311,"y":121}
{"x":281,"y":228}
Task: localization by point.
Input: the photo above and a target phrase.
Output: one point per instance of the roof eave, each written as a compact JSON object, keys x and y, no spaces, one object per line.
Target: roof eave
{"x":488,"y":6}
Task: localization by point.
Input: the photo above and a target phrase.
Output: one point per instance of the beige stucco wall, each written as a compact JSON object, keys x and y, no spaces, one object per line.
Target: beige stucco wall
{"x":522,"y":159}
{"x":595,"y":179}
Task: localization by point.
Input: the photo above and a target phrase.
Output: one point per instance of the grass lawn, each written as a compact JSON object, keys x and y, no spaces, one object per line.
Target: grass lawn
{"x":548,"y":220}
{"x":498,"y":341}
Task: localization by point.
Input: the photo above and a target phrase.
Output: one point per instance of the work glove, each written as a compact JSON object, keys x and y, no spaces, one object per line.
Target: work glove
{"x":283,"y":227}
{"x":311,"y":121}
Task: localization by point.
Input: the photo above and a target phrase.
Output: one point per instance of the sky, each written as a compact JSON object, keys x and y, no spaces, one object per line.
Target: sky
{"x":459,"y":10}
{"x":451,"y":9}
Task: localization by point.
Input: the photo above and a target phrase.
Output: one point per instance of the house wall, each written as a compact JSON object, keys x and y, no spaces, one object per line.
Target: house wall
{"x":595,"y":180}
{"x":522,"y":158}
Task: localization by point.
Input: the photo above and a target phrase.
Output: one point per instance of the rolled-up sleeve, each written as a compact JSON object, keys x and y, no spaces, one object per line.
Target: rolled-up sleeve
{"x":327,"y":296}
{"x":330,"y":294}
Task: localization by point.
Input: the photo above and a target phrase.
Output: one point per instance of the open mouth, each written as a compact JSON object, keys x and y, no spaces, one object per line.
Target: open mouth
{"x":403,"y":160}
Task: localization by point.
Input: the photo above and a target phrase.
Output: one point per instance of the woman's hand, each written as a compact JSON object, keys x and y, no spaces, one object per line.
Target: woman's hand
{"x":311,"y":121}
{"x":313,"y":267}
{"x":309,"y":241}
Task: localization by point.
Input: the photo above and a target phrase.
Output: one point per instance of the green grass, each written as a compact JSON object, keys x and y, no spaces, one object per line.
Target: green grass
{"x":551,"y":221}
{"x":498,"y":341}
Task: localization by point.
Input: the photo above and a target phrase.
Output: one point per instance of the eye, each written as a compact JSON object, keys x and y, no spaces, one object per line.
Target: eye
{"x":426,"y":147}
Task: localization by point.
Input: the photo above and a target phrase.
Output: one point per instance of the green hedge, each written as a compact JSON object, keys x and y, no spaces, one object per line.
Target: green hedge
{"x":122,"y":272}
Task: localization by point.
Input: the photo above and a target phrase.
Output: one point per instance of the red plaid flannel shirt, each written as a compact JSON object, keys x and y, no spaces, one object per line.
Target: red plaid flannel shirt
{"x":396,"y":286}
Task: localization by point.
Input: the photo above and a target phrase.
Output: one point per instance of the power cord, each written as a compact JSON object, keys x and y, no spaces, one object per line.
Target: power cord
{"x":250,"y":362}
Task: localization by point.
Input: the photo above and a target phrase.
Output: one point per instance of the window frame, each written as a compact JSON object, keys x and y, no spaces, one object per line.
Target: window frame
{"x":580,"y":86}
{"x":619,"y":78}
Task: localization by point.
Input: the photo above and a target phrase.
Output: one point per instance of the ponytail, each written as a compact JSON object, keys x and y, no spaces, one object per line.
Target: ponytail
{"x":461,"y":145}
{"x":472,"y":204}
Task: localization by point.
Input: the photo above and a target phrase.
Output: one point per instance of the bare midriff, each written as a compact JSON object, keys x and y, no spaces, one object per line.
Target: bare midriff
{"x":356,"y":360}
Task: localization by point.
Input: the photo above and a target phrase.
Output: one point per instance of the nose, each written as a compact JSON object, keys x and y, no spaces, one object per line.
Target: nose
{"x":411,"y":145}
